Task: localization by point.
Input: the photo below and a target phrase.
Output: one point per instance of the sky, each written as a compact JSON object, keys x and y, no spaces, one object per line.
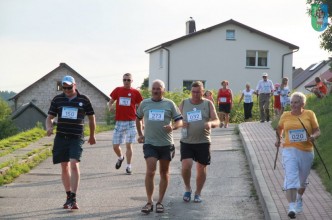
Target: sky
{"x":103,"y":39}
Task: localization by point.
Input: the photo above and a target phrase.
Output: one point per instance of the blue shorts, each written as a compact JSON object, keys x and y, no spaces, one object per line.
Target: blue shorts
{"x":161,"y":153}
{"x":66,"y":148}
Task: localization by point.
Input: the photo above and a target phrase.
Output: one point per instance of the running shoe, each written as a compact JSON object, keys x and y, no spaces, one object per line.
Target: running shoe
{"x":67,"y":203}
{"x":118,"y":163}
{"x":299,"y":206}
{"x":291,"y":210}
{"x":128,"y":170}
{"x":73,"y":204}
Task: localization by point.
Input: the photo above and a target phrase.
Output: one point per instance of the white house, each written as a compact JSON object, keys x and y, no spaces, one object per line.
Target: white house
{"x":227,"y":51}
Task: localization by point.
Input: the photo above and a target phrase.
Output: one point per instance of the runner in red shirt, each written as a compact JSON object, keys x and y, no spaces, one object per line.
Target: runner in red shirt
{"x":225,"y":103}
{"x":127,"y":99}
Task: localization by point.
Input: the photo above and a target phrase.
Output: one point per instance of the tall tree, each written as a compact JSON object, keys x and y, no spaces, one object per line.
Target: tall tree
{"x":7,"y":127}
{"x":326,"y":36}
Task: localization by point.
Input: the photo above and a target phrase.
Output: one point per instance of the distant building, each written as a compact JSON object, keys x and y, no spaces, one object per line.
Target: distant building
{"x":27,"y":116}
{"x":43,"y":90}
{"x":227,"y":51}
{"x":309,"y":74}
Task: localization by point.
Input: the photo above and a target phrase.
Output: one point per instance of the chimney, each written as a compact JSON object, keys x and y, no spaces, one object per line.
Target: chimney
{"x":190,"y":26}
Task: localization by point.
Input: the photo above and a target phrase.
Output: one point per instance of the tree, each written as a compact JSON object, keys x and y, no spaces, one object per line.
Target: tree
{"x":145,"y":83}
{"x":326,"y":36}
{"x":5,"y":95}
{"x":7,"y":127}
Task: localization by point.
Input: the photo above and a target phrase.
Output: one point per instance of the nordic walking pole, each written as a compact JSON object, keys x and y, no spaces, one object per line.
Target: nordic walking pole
{"x":276,"y":158}
{"x":313,"y":143}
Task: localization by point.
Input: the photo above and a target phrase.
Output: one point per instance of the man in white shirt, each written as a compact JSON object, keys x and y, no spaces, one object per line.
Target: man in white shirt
{"x":265,"y":89}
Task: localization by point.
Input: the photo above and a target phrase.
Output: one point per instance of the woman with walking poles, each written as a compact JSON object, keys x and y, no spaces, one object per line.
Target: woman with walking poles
{"x":300,"y":129}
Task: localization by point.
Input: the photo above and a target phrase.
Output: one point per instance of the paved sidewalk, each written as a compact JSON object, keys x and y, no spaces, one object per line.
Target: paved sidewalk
{"x":259,"y":139}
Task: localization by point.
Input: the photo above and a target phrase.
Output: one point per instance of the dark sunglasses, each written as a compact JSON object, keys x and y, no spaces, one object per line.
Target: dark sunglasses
{"x":126,"y":80}
{"x":67,"y":88}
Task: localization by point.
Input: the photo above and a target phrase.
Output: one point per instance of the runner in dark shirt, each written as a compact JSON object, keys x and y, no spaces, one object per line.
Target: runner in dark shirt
{"x":70,"y":108}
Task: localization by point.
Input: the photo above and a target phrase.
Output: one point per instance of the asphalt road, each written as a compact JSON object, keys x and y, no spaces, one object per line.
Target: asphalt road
{"x":107,"y":193}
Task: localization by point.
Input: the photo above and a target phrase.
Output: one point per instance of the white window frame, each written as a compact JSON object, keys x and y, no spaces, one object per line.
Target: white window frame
{"x":257,"y":57}
{"x":230,"y":34}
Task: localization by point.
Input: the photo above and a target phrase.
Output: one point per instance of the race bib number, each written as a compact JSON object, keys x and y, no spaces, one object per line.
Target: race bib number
{"x":222,"y":99}
{"x":297,"y":135}
{"x":156,"y":115}
{"x":124,"y":101}
{"x":70,"y":113}
{"x":194,"y":116}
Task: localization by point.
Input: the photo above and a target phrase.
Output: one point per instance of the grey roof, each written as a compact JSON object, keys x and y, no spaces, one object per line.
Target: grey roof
{"x":231,"y":21}
{"x":24,"y":107}
{"x":307,"y":73}
{"x":297,"y":71}
{"x":60,"y":66}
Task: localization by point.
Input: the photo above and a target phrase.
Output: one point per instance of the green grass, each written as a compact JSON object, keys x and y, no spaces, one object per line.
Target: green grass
{"x":322,"y":108}
{"x":22,"y":140}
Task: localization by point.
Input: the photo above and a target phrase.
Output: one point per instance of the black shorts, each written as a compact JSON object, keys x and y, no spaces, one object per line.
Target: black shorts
{"x":198,"y":152}
{"x":65,"y":149}
{"x":226,"y":108}
{"x":160,"y":152}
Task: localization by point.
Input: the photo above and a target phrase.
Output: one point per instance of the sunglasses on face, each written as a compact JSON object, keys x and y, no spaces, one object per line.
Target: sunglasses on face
{"x":126,"y":80}
{"x":67,"y":88}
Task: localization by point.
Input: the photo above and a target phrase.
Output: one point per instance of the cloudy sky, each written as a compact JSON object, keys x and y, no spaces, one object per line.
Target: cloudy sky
{"x":103,"y":39}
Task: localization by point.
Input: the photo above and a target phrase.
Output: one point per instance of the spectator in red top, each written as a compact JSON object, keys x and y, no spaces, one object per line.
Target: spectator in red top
{"x":225,"y":103}
{"x":320,"y":89}
{"x":127,"y":99}
{"x":277,"y":103}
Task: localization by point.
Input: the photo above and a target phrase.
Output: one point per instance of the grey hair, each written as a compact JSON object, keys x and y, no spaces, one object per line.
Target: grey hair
{"x":160,"y":82}
{"x":300,"y":95}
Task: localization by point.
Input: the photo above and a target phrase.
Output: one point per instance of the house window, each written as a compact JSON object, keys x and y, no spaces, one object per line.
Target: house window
{"x":58,"y":86}
{"x":230,"y":34}
{"x":187,"y":84}
{"x":256,"y":58}
{"x":161,"y":58}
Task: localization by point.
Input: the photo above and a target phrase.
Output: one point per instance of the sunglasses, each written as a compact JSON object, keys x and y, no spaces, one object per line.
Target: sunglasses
{"x":126,"y":80}
{"x":67,"y":88}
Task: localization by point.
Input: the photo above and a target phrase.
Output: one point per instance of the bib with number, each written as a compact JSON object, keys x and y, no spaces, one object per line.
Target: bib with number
{"x":124,"y":101}
{"x":298,"y":135}
{"x":222,"y":99}
{"x":69,"y":112}
{"x":194,"y":116}
{"x":156,"y":115}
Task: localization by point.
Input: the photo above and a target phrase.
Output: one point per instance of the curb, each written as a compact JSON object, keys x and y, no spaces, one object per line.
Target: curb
{"x":264,"y":195}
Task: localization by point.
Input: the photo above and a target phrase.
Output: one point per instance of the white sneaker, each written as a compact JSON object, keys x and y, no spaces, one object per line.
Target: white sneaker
{"x":299,"y":206}
{"x":128,"y":170}
{"x":291,"y":210}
